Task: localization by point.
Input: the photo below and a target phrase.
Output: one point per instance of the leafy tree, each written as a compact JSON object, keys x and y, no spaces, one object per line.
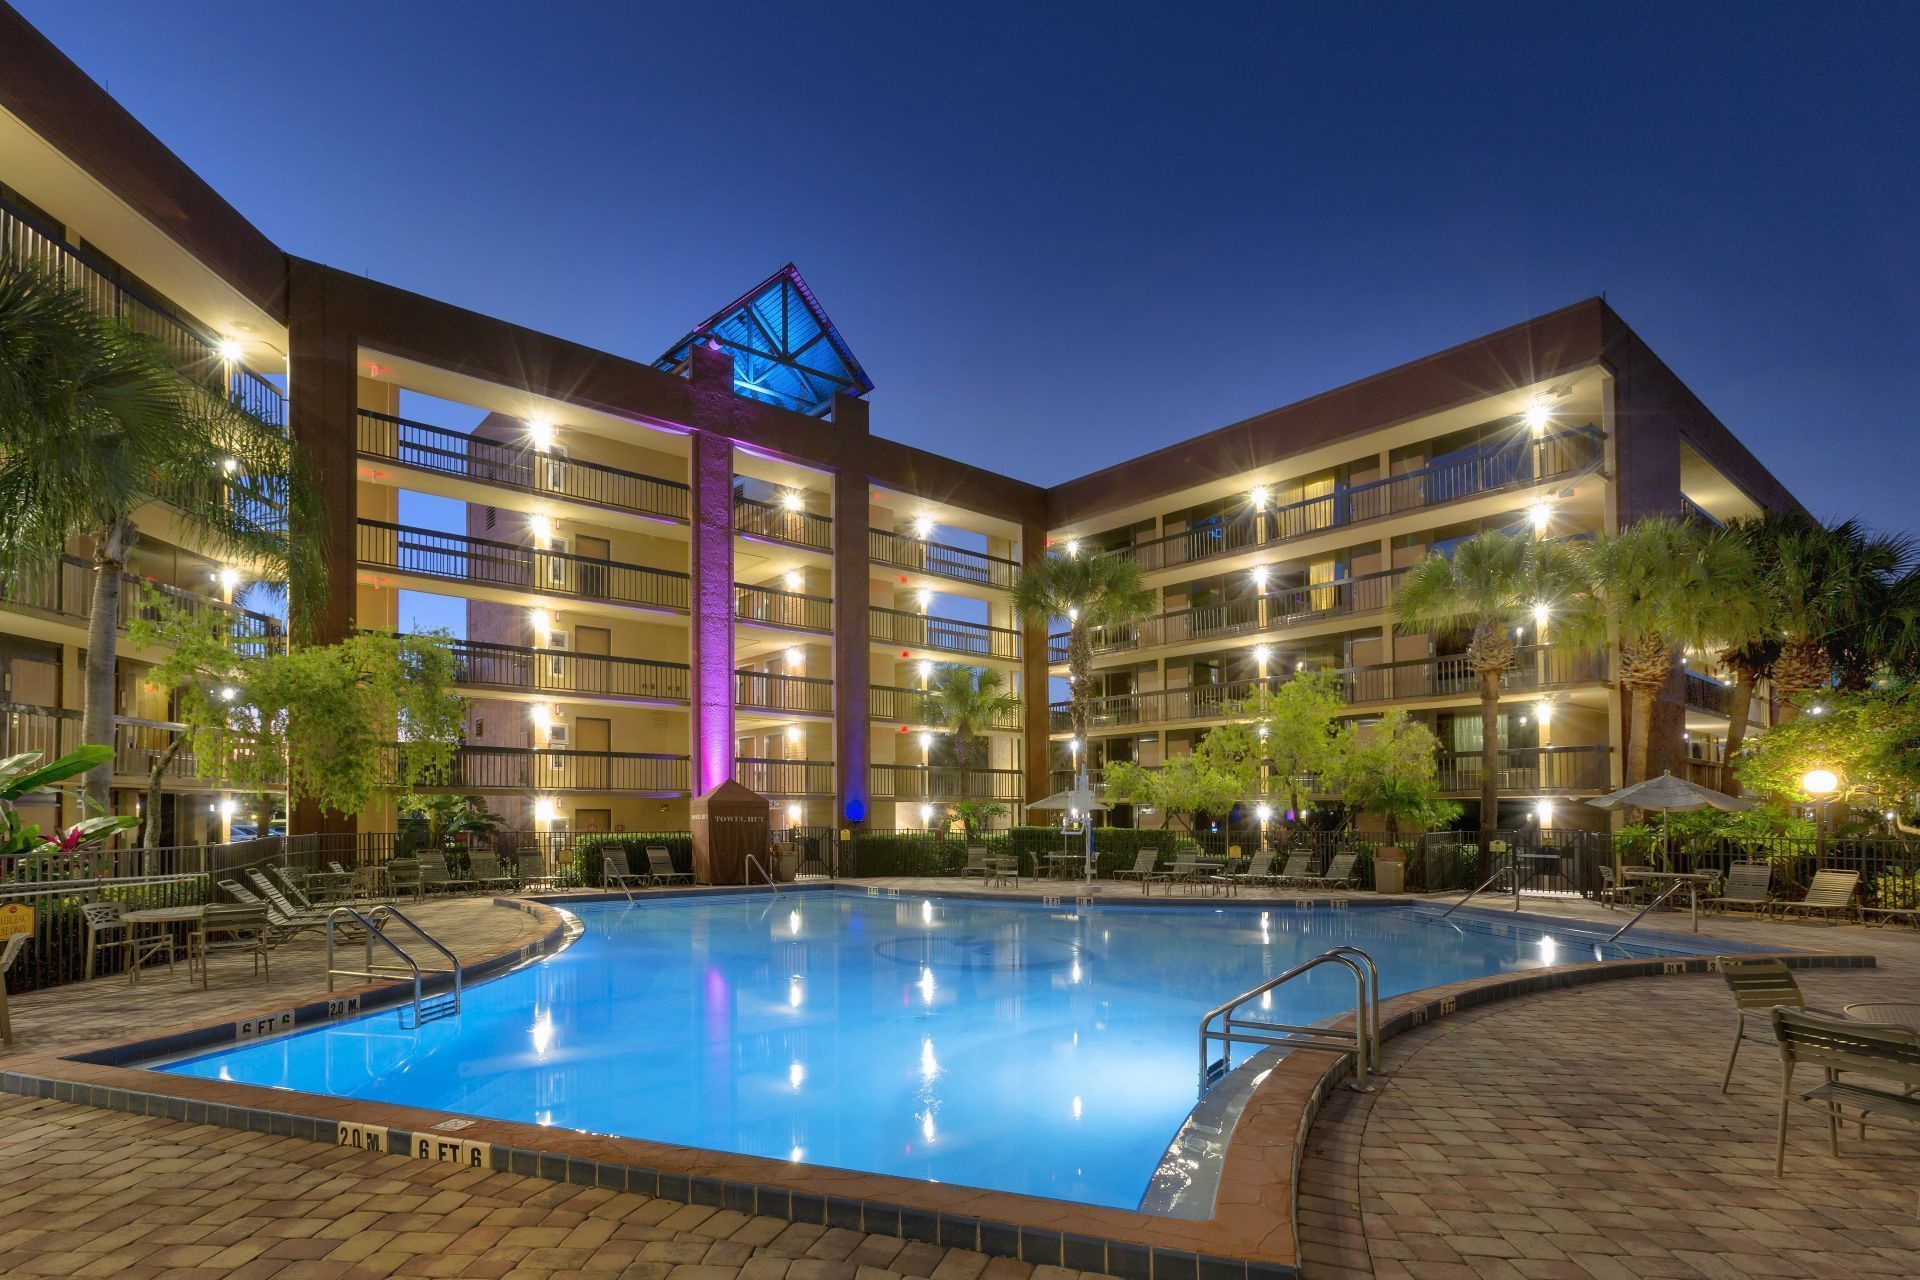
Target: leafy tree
{"x":1088,"y":590}
{"x":1870,"y":739}
{"x":975,"y":815}
{"x":1392,"y":769}
{"x":1185,"y":786}
{"x":450,"y":816}
{"x":1292,"y":729}
{"x":966,"y":701}
{"x":318,"y":720}
{"x":1488,"y":587}
{"x":95,"y":423}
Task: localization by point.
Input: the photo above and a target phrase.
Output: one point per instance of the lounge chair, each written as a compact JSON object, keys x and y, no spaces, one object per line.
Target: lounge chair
{"x":1749,"y":884}
{"x":1837,"y":1044}
{"x":103,"y":920}
{"x":1830,"y":892}
{"x":660,"y":868}
{"x":8,"y":955}
{"x":1758,"y":984}
{"x":1339,"y":873}
{"x":281,"y":926}
{"x":1143,"y":869}
{"x":487,"y":873}
{"x":279,"y":901}
{"x":977,"y":863}
{"x":616,"y":874}
{"x":1259,"y":870}
{"x":532,"y":868}
{"x":435,"y":875}
{"x":1298,"y":869}
{"x":294,"y":893}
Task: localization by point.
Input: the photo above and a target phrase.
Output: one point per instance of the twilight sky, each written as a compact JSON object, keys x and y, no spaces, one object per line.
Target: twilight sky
{"x":1068,"y":234}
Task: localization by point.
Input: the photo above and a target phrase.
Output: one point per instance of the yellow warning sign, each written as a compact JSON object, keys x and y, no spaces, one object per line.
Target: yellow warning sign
{"x":15,"y":917}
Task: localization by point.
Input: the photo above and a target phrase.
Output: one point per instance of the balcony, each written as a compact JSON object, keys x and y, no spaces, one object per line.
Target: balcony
{"x":908,"y":782}
{"x":541,"y":769}
{"x":755,"y":519}
{"x":788,"y":610}
{"x":1530,"y":770}
{"x":944,"y":635}
{"x":1251,"y":616}
{"x":564,"y":673}
{"x":138,"y":744}
{"x":508,"y":466}
{"x":65,"y":594}
{"x":783,"y":778}
{"x":454,"y":557}
{"x":937,"y":559}
{"x":794,"y":695}
{"x":908,"y":706}
{"x":1707,"y":695}
{"x":1551,"y":459}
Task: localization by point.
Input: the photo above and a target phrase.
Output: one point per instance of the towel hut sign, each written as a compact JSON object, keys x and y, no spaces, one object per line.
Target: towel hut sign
{"x":729,"y":823}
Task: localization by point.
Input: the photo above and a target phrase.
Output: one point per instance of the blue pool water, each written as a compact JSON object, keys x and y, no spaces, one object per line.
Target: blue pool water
{"x":1012,"y":1046}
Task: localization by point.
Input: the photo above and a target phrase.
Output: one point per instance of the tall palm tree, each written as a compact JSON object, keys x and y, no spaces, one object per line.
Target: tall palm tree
{"x":1746,"y":624}
{"x":965,"y":701}
{"x":1489,"y":587}
{"x":1663,"y":585}
{"x":96,"y":423}
{"x":1841,"y":607}
{"x":1089,"y":591}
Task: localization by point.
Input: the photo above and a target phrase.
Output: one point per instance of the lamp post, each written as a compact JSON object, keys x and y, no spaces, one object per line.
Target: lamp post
{"x":1820,"y":784}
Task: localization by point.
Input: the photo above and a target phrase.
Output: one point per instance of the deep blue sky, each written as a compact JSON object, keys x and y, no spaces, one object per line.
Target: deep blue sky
{"x":1069,"y":235}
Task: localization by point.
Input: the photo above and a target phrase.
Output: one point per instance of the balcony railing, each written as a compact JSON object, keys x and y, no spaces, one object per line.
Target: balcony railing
{"x":977,"y":568}
{"x":1530,"y":770}
{"x":514,"y":466}
{"x":941,"y":782}
{"x":946,"y":635}
{"x":1279,"y":608}
{"x":478,"y":768}
{"x":53,"y":731}
{"x":458,"y":558}
{"x":1707,"y":695}
{"x":482,"y":665}
{"x":1547,"y":460}
{"x":1197,"y":702}
{"x":769,"y":691}
{"x":192,"y":348}
{"x":758,"y":519}
{"x":909,"y":706}
{"x":771,"y":607}
{"x":784,"y":777}
{"x":66,"y":592}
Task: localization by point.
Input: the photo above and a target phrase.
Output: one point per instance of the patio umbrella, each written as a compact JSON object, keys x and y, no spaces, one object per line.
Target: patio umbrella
{"x":1667,"y":794}
{"x":1064,"y":800}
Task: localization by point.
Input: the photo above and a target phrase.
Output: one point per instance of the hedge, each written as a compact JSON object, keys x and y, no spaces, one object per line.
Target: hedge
{"x":585,"y":868}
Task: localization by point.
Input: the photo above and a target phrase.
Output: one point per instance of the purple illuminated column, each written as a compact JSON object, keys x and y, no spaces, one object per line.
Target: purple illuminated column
{"x":852,"y":662}
{"x":711,"y":597}
{"x":1035,"y":682}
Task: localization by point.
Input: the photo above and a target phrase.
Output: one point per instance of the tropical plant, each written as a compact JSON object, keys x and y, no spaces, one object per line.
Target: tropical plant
{"x":1492,"y":584}
{"x":1844,"y":592}
{"x":974,"y":816}
{"x":1745,"y":623}
{"x":95,"y":423}
{"x":1390,"y":769}
{"x":22,"y":775}
{"x":450,"y":817}
{"x":1089,"y":591}
{"x":965,"y":701}
{"x":1292,"y":730}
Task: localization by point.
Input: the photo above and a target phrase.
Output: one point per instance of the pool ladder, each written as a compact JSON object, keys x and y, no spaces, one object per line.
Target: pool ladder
{"x":765,"y":874}
{"x":373,"y":926}
{"x":1363,"y":1041}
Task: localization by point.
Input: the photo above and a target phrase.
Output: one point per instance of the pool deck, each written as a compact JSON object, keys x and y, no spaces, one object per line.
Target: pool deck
{"x":1616,"y":1142}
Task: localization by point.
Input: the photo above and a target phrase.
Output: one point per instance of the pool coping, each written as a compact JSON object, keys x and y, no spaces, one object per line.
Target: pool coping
{"x":1251,"y":1233}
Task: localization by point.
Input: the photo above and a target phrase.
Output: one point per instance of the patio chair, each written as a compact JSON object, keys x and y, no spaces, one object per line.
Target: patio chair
{"x":1836,"y":1044}
{"x":1758,"y":983}
{"x":487,"y":873}
{"x":1004,"y":869}
{"x":1749,"y":884}
{"x":660,"y":867}
{"x":1339,"y":873}
{"x":1830,"y":892}
{"x":1298,"y":869}
{"x":616,"y":874}
{"x":404,"y":877}
{"x":1143,"y":869}
{"x":435,"y":876}
{"x":225,"y":927}
{"x":103,"y":920}
{"x":531,"y":865}
{"x":8,"y":954}
{"x":977,"y":863}
{"x":1258,"y":871}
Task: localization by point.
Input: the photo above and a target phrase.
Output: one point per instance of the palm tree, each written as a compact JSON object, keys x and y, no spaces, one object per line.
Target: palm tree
{"x":1489,"y":587}
{"x":1745,"y":624}
{"x":1663,"y":585}
{"x":1842,"y":607}
{"x":965,"y":701}
{"x":96,"y":423}
{"x":1089,"y":591}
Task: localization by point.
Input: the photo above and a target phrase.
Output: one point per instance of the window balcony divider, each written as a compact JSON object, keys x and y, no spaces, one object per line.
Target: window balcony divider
{"x":775,"y":691}
{"x":481,"y":561}
{"x":945,"y":635}
{"x":934,"y":783}
{"x":1525,"y":462}
{"x":545,"y":769}
{"x":937,"y":559}
{"x":773,"y":777}
{"x":756,"y":519}
{"x":792,"y":610}
{"x":482,"y":664}
{"x":509,"y":465}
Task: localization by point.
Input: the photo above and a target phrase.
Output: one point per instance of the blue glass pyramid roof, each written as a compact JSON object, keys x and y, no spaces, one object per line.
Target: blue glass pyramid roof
{"x":785,"y":349}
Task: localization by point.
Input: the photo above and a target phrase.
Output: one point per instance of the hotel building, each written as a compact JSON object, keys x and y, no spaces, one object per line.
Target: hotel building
{"x":713,"y":565}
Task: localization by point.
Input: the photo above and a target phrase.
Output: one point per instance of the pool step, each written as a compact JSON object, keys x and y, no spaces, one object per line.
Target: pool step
{"x":431,"y":1009}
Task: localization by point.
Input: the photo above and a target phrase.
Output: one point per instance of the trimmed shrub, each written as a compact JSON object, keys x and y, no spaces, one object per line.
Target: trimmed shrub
{"x":585,"y":869}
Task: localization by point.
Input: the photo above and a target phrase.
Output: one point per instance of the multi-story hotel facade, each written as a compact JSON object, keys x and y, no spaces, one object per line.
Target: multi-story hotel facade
{"x":711,"y":566}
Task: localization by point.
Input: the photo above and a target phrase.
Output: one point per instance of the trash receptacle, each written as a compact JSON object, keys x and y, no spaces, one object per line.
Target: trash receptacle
{"x":1389,"y":871}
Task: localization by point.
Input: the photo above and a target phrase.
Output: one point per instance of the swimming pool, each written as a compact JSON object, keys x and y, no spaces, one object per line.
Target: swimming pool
{"x":1013,"y":1046}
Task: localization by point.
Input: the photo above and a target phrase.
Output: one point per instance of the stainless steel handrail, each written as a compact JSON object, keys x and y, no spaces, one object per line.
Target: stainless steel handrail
{"x":1665,"y":893}
{"x":372,"y":925}
{"x":1482,"y":887}
{"x":1362,"y":1042}
{"x":764,"y":873}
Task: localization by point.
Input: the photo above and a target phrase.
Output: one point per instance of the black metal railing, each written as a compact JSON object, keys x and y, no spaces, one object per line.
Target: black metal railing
{"x":1530,"y":770}
{"x":1278,"y":608}
{"x":757,"y":519}
{"x":941,"y":782}
{"x":503,"y":666}
{"x":784,"y":777}
{"x":773,"y":607}
{"x":432,"y":554}
{"x":517,"y":466}
{"x":66,"y":592}
{"x":901,"y":551}
{"x":946,"y":635}
{"x":1707,"y":695}
{"x":478,"y":768}
{"x":909,"y":706}
{"x":769,"y":691}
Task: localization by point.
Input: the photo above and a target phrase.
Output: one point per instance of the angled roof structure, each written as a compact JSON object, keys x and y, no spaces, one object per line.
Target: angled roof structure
{"x":786,"y":350}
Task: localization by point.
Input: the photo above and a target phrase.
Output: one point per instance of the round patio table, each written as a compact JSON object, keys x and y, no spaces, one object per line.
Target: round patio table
{"x":1892,"y":1014}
